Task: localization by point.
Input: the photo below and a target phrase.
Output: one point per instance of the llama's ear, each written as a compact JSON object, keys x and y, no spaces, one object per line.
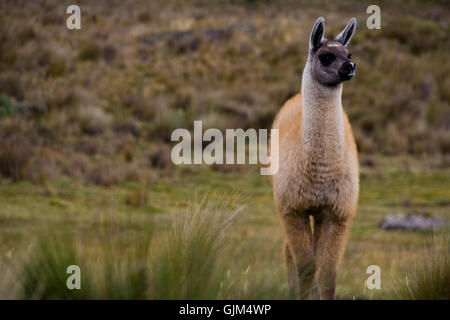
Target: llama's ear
{"x":317,"y":35}
{"x":348,"y":32}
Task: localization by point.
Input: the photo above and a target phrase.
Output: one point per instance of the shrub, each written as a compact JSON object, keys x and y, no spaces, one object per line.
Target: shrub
{"x":89,"y":52}
{"x":160,"y":156}
{"x":12,"y":85}
{"x":15,"y":152}
{"x":78,"y":166}
{"x":56,"y":69}
{"x":429,"y":277}
{"x":45,"y":164}
{"x":44,"y":276}
{"x":93,"y":120}
{"x":165,"y":122}
{"x":107,"y":174}
{"x":8,"y":107}
{"x":187,"y":266}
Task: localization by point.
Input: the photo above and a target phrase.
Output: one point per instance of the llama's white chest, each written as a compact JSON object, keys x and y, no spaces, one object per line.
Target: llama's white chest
{"x":305,"y":185}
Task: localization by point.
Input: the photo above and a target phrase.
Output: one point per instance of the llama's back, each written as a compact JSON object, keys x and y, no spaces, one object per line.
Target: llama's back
{"x":289,"y":119}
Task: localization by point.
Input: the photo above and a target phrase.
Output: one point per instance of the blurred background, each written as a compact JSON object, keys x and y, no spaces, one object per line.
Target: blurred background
{"x":85,"y":123}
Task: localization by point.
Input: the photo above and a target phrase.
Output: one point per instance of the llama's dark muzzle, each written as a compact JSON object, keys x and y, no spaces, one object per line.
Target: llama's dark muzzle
{"x":347,"y":70}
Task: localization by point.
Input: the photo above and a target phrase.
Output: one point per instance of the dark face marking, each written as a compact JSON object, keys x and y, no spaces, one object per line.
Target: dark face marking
{"x":331,"y":63}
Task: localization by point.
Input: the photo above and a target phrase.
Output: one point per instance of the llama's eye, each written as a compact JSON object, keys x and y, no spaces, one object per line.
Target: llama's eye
{"x":350,"y":56}
{"x":326,"y":59}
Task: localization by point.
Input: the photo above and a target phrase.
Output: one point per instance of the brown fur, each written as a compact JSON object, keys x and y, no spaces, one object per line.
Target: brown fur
{"x":318,"y":178}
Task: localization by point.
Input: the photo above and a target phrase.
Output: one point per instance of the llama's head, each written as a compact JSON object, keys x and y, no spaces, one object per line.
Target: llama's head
{"x":330,"y":60}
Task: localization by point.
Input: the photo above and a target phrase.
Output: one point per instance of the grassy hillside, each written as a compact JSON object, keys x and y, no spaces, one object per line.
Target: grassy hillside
{"x":100,"y":103}
{"x":85,"y":124}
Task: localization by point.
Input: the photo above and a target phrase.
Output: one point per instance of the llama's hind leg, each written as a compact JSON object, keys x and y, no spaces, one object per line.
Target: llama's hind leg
{"x":330,"y":238}
{"x":301,"y":245}
{"x":292,"y":275}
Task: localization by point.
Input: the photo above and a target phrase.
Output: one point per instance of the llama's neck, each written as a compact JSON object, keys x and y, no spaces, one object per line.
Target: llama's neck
{"x":322,"y":122}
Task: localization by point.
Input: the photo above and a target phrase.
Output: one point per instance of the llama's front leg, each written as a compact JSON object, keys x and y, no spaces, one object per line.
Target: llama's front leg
{"x":330,"y":237}
{"x":300,"y":245}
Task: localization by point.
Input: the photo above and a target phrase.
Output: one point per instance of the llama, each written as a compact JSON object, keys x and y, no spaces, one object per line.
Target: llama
{"x":317,"y":184}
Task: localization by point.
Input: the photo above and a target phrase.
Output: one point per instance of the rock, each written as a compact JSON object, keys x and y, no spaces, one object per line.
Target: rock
{"x":413,"y":221}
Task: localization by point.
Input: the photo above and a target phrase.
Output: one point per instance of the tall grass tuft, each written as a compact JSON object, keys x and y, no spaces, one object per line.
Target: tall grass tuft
{"x":113,"y":265}
{"x":123,"y":269}
{"x":43,"y":275}
{"x":429,"y":278}
{"x":189,"y":264}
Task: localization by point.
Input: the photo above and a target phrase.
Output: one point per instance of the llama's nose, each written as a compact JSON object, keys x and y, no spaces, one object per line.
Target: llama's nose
{"x":347,"y":70}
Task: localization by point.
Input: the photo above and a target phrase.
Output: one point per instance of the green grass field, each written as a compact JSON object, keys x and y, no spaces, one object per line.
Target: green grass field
{"x":100,"y":227}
